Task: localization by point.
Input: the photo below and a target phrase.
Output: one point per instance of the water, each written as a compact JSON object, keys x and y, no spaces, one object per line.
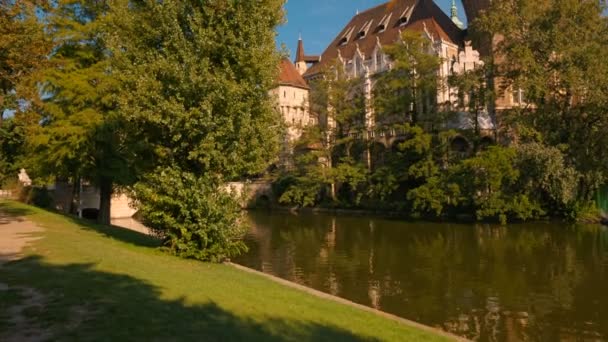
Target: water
{"x":533,"y":282}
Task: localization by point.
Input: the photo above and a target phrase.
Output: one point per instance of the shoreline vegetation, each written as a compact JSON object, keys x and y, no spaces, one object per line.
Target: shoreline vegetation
{"x":393,"y":214}
{"x":88,"y":281}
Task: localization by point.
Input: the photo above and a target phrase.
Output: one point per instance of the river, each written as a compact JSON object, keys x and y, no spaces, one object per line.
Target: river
{"x":524,"y":282}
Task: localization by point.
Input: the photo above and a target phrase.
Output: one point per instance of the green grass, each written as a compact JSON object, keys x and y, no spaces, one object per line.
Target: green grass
{"x":107,"y":283}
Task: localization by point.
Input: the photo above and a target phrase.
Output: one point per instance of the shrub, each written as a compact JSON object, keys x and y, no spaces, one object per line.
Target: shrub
{"x":195,"y":216}
{"x":38,"y":196}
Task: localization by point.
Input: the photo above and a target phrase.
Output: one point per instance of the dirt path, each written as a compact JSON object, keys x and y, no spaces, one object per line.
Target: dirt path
{"x":15,"y":234}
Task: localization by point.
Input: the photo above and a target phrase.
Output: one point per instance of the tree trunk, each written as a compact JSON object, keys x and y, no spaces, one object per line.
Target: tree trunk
{"x":75,"y":197}
{"x":105,"y":199}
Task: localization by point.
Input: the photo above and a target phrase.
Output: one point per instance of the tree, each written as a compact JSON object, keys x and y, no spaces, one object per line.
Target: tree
{"x":487,"y":184}
{"x":80,"y":134}
{"x":474,"y":95}
{"x":408,"y":91}
{"x":12,"y":137}
{"x":553,"y":52}
{"x":194,"y":79}
{"x":339,"y":105}
{"x":24,"y":48}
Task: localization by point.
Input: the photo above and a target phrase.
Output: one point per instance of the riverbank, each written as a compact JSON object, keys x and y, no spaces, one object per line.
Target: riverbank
{"x":82,"y":281}
{"x":590,"y":218}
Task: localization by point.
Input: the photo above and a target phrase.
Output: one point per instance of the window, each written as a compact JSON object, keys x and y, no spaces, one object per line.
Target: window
{"x":379,"y":59}
{"x":383,"y":24}
{"x":364,"y":29}
{"x":404,"y":18}
{"x":346,"y":37}
{"x":284,"y":94}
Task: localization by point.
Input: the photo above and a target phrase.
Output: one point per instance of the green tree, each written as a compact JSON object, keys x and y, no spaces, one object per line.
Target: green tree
{"x":339,"y":104}
{"x":408,"y":91}
{"x":487,"y":184}
{"x":194,"y":79}
{"x":554,"y":52}
{"x":24,"y":48}
{"x":330,"y":157}
{"x":12,"y":138}
{"x":81,"y":135}
{"x":474,"y":95}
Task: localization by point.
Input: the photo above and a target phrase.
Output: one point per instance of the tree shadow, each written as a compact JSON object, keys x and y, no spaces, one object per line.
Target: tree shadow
{"x":117,"y":233}
{"x":10,"y":214}
{"x":75,"y":302}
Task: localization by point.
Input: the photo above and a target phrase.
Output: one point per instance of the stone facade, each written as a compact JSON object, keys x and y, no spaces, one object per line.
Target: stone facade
{"x":359,"y":47}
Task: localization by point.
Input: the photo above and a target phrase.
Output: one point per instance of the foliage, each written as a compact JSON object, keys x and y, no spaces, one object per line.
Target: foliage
{"x":78,"y":132}
{"x":545,"y":175}
{"x":408,"y":91}
{"x":554,"y":51}
{"x":194,"y":79}
{"x":488,"y":181}
{"x":194,"y":216}
{"x":195,"y":87}
{"x":382,"y":184}
{"x":12,"y":137}
{"x":24,"y":47}
{"x":38,"y":196}
{"x":352,"y":177}
{"x":474,"y":94}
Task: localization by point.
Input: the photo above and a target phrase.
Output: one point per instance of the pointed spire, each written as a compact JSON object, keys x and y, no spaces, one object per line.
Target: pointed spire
{"x":300,"y":51}
{"x":454,"y":15}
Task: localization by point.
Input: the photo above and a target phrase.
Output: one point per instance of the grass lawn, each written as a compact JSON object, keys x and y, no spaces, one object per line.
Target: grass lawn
{"x":87,"y":282}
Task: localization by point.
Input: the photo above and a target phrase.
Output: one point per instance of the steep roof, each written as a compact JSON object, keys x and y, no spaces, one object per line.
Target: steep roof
{"x":383,"y":24}
{"x":301,"y":57}
{"x":289,"y":75}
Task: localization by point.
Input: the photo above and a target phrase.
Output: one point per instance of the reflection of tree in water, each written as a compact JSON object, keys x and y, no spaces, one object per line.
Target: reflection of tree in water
{"x":483,"y":282}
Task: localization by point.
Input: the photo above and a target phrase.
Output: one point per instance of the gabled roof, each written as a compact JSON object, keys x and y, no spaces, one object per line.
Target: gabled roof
{"x":289,"y":75}
{"x":383,"y":24}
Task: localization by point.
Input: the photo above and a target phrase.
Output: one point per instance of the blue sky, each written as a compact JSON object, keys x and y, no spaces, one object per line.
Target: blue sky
{"x":319,"y":21}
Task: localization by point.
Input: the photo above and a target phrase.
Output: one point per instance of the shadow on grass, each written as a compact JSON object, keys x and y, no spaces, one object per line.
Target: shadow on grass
{"x":9,"y":213}
{"x":117,"y":233}
{"x":76,"y":302}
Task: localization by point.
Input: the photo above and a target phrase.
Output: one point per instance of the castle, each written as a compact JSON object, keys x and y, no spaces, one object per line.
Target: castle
{"x":359,"y":48}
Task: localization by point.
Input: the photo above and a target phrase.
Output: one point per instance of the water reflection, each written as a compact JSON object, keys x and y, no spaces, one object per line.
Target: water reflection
{"x":541,"y":282}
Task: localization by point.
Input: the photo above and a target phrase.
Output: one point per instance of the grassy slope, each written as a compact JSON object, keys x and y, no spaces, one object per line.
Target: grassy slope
{"x":102,"y":283}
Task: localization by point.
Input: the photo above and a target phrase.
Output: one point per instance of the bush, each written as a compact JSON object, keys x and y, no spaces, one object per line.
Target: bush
{"x":489,"y":182}
{"x":38,"y":196}
{"x":195,"y":216}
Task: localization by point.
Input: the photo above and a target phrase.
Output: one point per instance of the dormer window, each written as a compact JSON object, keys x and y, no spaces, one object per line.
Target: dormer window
{"x":346,"y":37}
{"x":404,"y":18}
{"x":364,"y":29}
{"x":384,"y":23}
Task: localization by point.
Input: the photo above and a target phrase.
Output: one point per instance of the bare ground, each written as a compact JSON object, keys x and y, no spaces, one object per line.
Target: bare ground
{"x":15,"y":234}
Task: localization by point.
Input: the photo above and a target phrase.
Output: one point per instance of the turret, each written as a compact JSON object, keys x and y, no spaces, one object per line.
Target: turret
{"x":300,"y":62}
{"x":454,"y":16}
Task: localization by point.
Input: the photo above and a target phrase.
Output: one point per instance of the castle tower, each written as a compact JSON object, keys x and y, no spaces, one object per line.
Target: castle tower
{"x":300,"y":62}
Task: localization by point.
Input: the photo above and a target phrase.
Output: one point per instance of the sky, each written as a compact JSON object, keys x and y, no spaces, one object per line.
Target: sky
{"x":319,"y":21}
